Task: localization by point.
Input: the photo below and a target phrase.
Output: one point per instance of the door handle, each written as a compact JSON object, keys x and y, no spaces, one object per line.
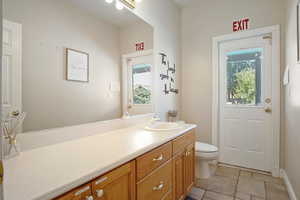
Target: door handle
{"x":268,"y":110}
{"x":159,"y":187}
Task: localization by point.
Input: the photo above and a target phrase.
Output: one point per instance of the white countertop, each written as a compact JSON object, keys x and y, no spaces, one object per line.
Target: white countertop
{"x":47,"y":172}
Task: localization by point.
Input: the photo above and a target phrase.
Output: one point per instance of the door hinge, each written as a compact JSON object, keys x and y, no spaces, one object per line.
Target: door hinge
{"x":1,"y":172}
{"x":268,"y":37}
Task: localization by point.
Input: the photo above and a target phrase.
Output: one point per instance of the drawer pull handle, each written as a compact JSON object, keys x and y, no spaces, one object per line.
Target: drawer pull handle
{"x":159,"y":187}
{"x":89,"y":198}
{"x":79,"y":192}
{"x":101,"y":180}
{"x":160,"y":158}
{"x":188,"y":153}
{"x":99,"y":193}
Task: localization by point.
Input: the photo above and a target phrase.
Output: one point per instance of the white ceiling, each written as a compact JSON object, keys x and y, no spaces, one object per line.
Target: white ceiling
{"x":183,"y":3}
{"x":107,"y":12}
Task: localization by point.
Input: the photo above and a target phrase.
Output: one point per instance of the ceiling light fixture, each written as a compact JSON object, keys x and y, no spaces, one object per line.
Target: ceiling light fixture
{"x":109,"y":1}
{"x":119,"y":5}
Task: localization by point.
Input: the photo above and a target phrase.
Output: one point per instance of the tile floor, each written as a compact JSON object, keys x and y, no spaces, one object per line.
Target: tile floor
{"x":230,"y":183}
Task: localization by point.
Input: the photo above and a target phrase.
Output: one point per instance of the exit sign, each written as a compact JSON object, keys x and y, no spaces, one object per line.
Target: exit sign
{"x":240,"y":25}
{"x":140,"y":46}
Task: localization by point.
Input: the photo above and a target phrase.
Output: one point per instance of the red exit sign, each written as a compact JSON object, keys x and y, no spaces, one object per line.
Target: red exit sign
{"x":240,"y":25}
{"x":140,"y":46}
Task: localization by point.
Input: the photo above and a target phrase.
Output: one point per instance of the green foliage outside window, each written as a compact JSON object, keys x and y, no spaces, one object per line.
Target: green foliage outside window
{"x":142,"y":95}
{"x":245,"y":86}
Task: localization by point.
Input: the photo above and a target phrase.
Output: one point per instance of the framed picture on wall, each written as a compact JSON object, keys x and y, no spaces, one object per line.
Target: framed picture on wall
{"x":77,"y":65}
{"x":298,"y":32}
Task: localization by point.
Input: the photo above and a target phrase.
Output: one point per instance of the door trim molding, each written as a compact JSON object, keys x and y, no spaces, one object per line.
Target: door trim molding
{"x":275,"y":31}
{"x":125,"y":57}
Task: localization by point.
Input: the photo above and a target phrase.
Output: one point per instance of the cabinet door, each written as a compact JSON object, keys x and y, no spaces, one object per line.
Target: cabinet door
{"x":178,"y":176}
{"x":116,"y":185}
{"x":189,"y":168}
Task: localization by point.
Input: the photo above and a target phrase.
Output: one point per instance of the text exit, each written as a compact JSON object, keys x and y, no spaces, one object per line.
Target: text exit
{"x":241,"y":25}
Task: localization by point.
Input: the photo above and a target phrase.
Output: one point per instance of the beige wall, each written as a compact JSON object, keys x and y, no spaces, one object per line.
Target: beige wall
{"x":133,"y":34}
{"x":201,"y":21}
{"x":292,"y":100}
{"x":48,"y":28}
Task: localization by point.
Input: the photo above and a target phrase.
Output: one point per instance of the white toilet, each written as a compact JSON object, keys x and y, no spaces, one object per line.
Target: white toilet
{"x":205,"y":154}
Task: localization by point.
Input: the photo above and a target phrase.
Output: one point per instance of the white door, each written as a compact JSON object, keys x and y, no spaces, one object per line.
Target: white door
{"x":11,"y":77}
{"x":11,"y":67}
{"x":139,"y":83}
{"x":245,"y":109}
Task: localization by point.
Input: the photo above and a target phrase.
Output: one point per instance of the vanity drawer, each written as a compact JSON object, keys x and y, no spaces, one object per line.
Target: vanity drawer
{"x":183,"y":141}
{"x":117,"y":184}
{"x":81,"y":193}
{"x":153,"y":159}
{"x":157,"y":184}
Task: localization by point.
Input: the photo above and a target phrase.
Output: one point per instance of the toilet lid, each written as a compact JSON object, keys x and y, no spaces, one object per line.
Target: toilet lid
{"x":203,"y":147}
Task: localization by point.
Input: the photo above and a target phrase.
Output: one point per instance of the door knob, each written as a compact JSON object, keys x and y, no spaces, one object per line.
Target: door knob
{"x":268,"y":110}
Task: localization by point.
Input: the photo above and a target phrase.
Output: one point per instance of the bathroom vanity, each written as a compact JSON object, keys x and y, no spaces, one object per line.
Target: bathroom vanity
{"x":130,"y":163}
{"x":164,"y":173}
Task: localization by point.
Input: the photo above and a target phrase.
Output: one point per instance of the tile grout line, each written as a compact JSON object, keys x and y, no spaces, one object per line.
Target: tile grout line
{"x":265,"y":186}
{"x":236,"y":185}
{"x":203,"y":195}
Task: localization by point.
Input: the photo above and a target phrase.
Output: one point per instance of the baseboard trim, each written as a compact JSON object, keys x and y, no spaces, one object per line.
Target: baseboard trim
{"x":288,"y":184}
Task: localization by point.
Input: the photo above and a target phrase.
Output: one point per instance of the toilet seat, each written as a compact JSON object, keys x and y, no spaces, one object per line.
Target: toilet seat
{"x":205,"y":154}
{"x":205,"y":148}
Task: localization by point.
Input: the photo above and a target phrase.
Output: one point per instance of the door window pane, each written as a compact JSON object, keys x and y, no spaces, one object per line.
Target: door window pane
{"x":141,"y":83}
{"x":244,"y":76}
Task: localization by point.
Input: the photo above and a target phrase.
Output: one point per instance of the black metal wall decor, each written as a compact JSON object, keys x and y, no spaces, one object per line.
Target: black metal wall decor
{"x":168,"y":78}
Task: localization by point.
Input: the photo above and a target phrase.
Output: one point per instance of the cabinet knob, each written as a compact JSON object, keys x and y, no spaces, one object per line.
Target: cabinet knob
{"x":161,"y":157}
{"x":99,"y":193}
{"x":89,"y":198}
{"x":159,"y":187}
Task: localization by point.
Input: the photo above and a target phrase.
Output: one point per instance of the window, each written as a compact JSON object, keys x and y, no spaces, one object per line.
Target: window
{"x":141,"y":84}
{"x":244,"y":76}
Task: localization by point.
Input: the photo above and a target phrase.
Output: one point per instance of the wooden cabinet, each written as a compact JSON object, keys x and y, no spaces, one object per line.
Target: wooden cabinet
{"x":178,"y":176}
{"x":117,"y":184}
{"x":157,"y":184}
{"x":183,"y":165}
{"x":181,"y":142}
{"x":153,"y":159}
{"x":189,"y":168}
{"x":164,"y":173}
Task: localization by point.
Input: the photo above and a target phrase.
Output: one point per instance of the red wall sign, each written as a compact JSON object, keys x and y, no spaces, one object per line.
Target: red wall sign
{"x":140,"y":46}
{"x":240,"y":25}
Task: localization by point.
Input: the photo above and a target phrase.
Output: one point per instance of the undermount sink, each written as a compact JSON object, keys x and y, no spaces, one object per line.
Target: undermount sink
{"x":163,"y":126}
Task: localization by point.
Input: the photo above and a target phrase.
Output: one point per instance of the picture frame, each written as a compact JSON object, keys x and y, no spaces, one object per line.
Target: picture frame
{"x":77,"y":65}
{"x":298,"y":32}
{"x":129,"y":3}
